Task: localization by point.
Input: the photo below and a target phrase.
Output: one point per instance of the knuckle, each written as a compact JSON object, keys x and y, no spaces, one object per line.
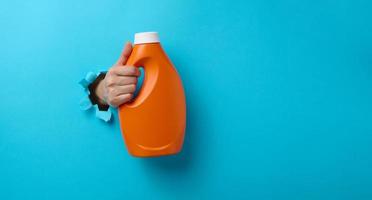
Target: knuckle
{"x":115,"y":71}
{"x":132,"y":70}
{"x":109,"y":82}
{"x":111,"y":71}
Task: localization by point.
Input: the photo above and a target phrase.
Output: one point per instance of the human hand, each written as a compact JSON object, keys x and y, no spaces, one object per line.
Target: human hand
{"x":120,"y":82}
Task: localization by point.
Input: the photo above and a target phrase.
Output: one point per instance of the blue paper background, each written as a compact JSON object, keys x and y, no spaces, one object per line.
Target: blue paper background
{"x":278,"y":93}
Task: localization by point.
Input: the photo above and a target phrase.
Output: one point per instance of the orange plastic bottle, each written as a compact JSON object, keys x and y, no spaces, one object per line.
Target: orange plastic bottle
{"x":154,"y":123}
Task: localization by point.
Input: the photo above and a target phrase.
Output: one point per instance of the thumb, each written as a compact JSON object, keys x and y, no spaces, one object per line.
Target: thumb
{"x":124,"y":54}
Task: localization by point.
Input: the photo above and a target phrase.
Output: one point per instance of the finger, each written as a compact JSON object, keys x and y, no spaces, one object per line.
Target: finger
{"x":126,"y":80}
{"x":124,"y":89}
{"x":117,"y":101}
{"x":120,"y":80}
{"x":124,"y":54}
{"x":126,"y":71}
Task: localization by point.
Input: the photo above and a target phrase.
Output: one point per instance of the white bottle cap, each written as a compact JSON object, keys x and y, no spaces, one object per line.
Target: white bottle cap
{"x":146,"y":37}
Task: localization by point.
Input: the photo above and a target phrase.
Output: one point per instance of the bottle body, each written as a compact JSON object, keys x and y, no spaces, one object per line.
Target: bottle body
{"x":154,"y":123}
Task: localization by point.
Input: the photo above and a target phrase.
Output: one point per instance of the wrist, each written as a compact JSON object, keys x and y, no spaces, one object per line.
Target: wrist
{"x":96,"y":90}
{"x":100,"y":92}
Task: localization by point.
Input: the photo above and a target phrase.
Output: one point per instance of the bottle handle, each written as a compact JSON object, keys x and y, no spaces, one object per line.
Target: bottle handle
{"x":149,"y":81}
